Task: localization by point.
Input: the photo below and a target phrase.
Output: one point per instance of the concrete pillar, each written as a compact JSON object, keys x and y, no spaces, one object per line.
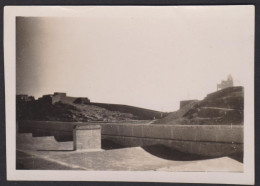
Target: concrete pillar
{"x":86,"y":137}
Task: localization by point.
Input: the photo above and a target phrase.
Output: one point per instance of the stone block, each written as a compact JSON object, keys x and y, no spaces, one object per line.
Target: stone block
{"x":86,"y":137}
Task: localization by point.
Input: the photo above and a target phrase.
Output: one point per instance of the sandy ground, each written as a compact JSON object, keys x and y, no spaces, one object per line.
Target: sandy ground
{"x":44,"y":153}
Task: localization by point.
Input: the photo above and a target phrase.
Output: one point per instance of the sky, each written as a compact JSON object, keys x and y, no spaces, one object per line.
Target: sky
{"x":150,"y":57}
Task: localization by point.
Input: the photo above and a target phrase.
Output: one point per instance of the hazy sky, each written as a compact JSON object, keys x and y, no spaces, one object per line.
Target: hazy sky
{"x":150,"y":57}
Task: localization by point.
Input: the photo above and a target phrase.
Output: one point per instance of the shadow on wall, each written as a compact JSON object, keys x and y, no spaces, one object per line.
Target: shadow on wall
{"x":164,"y":152}
{"x":110,"y":145}
{"x":173,"y":154}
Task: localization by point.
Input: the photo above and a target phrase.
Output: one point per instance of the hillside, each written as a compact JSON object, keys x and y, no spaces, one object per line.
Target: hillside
{"x":136,"y":111}
{"x":61,"y":111}
{"x":225,"y":106}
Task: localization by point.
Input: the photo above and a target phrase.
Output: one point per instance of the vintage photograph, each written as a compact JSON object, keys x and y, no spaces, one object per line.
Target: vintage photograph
{"x":150,"y":89}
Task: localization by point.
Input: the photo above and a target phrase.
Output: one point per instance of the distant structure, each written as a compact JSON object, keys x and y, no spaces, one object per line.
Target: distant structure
{"x":226,"y":83}
{"x":62,"y":97}
{"x":24,"y":97}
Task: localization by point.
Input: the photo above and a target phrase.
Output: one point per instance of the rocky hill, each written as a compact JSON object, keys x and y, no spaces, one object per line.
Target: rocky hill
{"x":136,"y":111}
{"x":78,"y":111}
{"x":225,"y":106}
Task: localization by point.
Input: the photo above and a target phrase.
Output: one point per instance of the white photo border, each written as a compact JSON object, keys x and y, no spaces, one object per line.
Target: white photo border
{"x":10,"y":14}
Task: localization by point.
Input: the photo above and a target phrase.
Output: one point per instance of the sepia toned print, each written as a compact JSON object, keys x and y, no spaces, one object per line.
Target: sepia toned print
{"x":135,"y":89}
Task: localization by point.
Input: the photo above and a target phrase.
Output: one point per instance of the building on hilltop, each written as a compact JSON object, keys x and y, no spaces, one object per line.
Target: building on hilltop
{"x":62,"y":97}
{"x":58,"y":96}
{"x":226,"y":83}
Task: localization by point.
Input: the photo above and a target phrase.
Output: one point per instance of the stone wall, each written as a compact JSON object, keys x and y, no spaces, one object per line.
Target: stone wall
{"x":202,"y":133}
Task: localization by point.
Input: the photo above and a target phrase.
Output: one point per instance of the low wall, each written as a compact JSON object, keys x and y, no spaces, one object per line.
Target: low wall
{"x":62,"y":131}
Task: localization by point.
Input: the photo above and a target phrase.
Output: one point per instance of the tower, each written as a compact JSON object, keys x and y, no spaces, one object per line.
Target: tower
{"x":225,"y":84}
